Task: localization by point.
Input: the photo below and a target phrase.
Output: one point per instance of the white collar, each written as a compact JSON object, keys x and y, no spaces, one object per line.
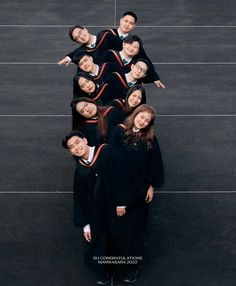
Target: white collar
{"x":93,"y":42}
{"x":128,"y":80}
{"x":135,"y":130}
{"x":128,"y":59}
{"x":122,"y":34}
{"x":96,"y":71}
{"x":91,"y":155}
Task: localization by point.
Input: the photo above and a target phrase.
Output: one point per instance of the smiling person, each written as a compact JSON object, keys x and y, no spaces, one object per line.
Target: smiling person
{"x":94,"y":180}
{"x":92,"y":44}
{"x":138,"y":147}
{"x":136,"y":96}
{"x":85,"y":86}
{"x":99,"y":71}
{"x":121,"y":82}
{"x":96,"y":122}
{"x":131,"y":52}
{"x":126,"y":25}
{"x":130,"y":48}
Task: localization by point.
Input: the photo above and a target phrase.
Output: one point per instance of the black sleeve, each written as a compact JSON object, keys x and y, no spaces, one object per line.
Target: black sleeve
{"x":112,"y":41}
{"x":81,"y":216}
{"x":72,"y":54}
{"x":152,"y":75}
{"x":156,"y":168}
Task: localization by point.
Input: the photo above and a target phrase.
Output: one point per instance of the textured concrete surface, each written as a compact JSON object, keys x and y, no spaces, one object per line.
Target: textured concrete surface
{"x":191,"y":235}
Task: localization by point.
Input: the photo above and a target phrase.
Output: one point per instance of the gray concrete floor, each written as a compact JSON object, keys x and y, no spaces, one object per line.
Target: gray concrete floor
{"x":192,"y":232}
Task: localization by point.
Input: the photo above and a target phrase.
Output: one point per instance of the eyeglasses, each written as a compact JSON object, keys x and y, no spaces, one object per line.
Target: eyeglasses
{"x":140,"y":69}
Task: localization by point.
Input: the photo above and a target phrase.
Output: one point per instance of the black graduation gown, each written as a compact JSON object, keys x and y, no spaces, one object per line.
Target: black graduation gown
{"x":105,"y":68}
{"x":90,"y":126}
{"x":114,"y":57}
{"x":92,"y":191}
{"x":151,"y":75}
{"x":101,"y":96}
{"x":119,"y":84}
{"x":119,"y":105}
{"x":105,"y":41}
{"x":119,"y":41}
{"x":142,"y":167}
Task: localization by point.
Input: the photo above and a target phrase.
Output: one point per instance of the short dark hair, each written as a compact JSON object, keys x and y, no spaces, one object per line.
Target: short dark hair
{"x":72,"y":29}
{"x":71,"y":134}
{"x":133,"y":38}
{"x":78,"y":56}
{"x":132,"y":14}
{"x":141,"y":60}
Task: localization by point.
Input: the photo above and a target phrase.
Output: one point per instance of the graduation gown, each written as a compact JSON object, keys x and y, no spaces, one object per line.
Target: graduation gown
{"x":119,"y":105}
{"x":119,"y":84}
{"x":105,"y":68}
{"x":114,"y":57}
{"x":142,"y":167}
{"x":90,"y":129}
{"x":101,"y":96}
{"x":93,"y":183}
{"x":105,"y":41}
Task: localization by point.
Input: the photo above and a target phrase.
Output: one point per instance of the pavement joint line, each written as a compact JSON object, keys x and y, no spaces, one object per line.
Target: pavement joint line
{"x":154,"y":63}
{"x":114,"y":23}
{"x":194,"y":63}
{"x":159,"y":115}
{"x":155,"y":192}
{"x":107,"y":26}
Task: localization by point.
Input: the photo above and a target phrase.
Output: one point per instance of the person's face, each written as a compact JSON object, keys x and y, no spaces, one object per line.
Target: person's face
{"x":81,"y":36}
{"x":139,"y":70}
{"x":86,"y":109}
{"x":86,"y":64}
{"x":127,"y":24}
{"x":86,"y":85}
{"x":142,"y":120}
{"x":135,"y":98}
{"x":131,"y":49}
{"x":77,"y":146}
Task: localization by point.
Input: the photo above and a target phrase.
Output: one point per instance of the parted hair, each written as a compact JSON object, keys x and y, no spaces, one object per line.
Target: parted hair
{"x":130,"y":91}
{"x":145,"y":134}
{"x":133,"y":38}
{"x":102,"y":123}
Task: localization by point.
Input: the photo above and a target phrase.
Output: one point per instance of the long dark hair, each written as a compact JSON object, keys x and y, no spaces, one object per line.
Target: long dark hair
{"x":80,"y":119}
{"x":145,"y":134}
{"x":78,"y":92}
{"x":129,"y":109}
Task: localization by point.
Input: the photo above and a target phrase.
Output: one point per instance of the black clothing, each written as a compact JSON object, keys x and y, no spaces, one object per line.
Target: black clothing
{"x":89,"y":127}
{"x":119,"y":84}
{"x":104,"y":69}
{"x":105,"y":41}
{"x":93,"y":183}
{"x":142,"y":167}
{"x":119,"y":105}
{"x":101,"y":96}
{"x":113,"y":56}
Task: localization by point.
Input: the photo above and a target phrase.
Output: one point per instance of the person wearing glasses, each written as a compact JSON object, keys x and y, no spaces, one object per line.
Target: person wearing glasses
{"x":132,"y":50}
{"x":121,"y":82}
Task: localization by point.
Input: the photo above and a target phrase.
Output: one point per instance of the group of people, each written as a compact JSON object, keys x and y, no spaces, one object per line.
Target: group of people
{"x":117,"y":155}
